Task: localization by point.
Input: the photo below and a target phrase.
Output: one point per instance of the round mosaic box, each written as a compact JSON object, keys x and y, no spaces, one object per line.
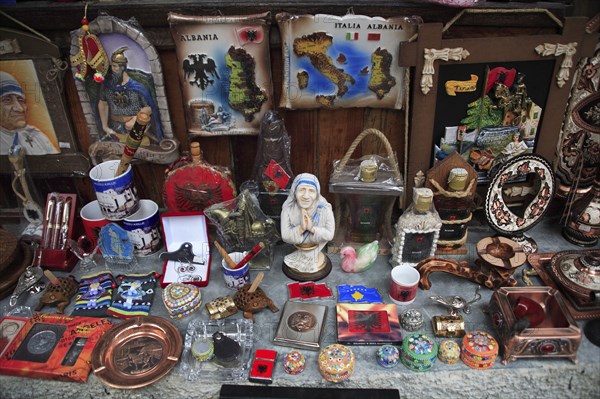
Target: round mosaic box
{"x":479,"y":350}
{"x":419,"y":352}
{"x":388,"y":356}
{"x":411,"y":320}
{"x":294,"y":362}
{"x":336,"y":363}
{"x":448,"y":352}
{"x":181,"y":299}
{"x":203,"y":349}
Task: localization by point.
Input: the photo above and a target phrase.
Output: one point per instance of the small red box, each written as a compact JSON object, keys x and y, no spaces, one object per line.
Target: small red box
{"x":177,"y":229}
{"x":59,"y":225}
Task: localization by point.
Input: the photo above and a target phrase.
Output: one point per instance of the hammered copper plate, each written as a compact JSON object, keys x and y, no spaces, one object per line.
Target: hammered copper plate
{"x":538,"y":262}
{"x":137,"y":352}
{"x":501,"y":252}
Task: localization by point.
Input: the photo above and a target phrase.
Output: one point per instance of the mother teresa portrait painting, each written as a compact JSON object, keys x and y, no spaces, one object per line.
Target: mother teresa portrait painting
{"x":24,"y":117}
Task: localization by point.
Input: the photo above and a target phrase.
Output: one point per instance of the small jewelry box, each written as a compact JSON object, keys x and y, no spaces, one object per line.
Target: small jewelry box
{"x":181,"y":299}
{"x":419,"y":352}
{"x":336,"y":363}
{"x":388,"y":356}
{"x":411,"y":320}
{"x":479,"y":350}
{"x":448,"y":352}
{"x":294,"y":363}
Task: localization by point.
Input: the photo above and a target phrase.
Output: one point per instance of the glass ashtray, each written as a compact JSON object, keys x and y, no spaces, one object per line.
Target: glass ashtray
{"x":239,"y":330}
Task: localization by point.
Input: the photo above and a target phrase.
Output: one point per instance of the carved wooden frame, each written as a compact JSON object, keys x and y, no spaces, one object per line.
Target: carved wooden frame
{"x":505,"y":49}
{"x":48,"y":66}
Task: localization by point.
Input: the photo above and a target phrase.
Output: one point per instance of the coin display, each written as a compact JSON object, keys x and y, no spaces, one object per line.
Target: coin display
{"x":302,"y":321}
{"x":42,"y":342}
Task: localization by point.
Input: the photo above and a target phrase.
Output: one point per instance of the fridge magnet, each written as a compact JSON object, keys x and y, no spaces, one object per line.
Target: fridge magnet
{"x":342,"y":62}
{"x":224,"y":71}
{"x":118,"y":72}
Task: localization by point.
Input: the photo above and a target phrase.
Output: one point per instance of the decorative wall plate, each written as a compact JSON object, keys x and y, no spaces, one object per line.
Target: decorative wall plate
{"x":137,"y":352}
{"x":502,"y":218}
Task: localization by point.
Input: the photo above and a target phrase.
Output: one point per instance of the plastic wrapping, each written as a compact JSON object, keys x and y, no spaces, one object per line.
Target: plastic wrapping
{"x":241,"y":224}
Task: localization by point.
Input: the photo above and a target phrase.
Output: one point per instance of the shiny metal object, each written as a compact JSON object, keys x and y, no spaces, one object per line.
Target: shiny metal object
{"x":411,"y":320}
{"x":30,"y":278}
{"x":221,"y":308}
{"x":137,"y":352}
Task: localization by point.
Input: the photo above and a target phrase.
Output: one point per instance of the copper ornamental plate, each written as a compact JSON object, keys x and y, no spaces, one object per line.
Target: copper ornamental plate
{"x":137,"y":352}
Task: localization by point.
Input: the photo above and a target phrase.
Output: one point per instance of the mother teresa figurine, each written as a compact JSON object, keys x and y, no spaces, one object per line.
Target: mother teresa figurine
{"x":307,"y":222}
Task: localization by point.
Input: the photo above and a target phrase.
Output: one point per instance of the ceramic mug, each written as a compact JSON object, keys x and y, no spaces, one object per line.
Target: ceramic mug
{"x":143,"y":228}
{"x":404,"y":284}
{"x":117,"y":196}
{"x":93,"y":220}
{"x":236,"y":278}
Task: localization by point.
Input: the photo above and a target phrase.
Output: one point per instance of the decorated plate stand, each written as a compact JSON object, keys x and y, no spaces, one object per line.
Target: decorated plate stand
{"x":502,"y":218}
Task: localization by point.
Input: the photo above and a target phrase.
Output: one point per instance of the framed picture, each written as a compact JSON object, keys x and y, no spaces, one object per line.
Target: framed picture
{"x":547,"y":61}
{"x":128,"y":78}
{"x":33,"y":112}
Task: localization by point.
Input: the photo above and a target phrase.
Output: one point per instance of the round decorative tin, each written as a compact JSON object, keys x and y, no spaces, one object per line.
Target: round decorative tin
{"x":293,"y":363}
{"x":388,"y":356}
{"x":203,"y":349}
{"x":181,"y":299}
{"x":419,"y":352}
{"x":479,"y":350}
{"x":336,"y":363}
{"x":448,"y":352}
{"x":411,"y":320}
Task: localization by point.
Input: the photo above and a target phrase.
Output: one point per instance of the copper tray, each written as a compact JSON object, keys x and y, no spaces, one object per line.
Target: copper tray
{"x":539,"y":261}
{"x":137,"y":352}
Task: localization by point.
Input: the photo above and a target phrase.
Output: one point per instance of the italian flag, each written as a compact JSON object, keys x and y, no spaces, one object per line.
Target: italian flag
{"x":351,"y":35}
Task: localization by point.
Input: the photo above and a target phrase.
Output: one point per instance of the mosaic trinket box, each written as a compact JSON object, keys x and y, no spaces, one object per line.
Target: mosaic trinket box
{"x":294,"y":363}
{"x":448,"y":352}
{"x":181,"y":299}
{"x":419,"y":352}
{"x":479,"y":350}
{"x":388,"y":356}
{"x":336,"y":363}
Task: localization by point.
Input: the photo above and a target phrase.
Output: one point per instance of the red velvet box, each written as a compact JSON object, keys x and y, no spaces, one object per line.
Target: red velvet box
{"x":178,"y":228}
{"x":58,"y":229}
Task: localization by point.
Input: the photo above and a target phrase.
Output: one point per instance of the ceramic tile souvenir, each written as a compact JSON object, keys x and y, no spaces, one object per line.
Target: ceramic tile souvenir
{"x":133,"y":79}
{"x":368,"y":324}
{"x":224,"y":71}
{"x":181,"y":299}
{"x":336,"y":363}
{"x":342,"y":62}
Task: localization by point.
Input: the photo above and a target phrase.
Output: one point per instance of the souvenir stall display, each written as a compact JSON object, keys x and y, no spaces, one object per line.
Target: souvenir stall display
{"x":340,"y":62}
{"x":365,"y":190}
{"x":179,"y":331}
{"x":224,"y":71}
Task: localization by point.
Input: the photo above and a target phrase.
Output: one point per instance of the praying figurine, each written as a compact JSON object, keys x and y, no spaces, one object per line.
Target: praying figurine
{"x":307,"y":222}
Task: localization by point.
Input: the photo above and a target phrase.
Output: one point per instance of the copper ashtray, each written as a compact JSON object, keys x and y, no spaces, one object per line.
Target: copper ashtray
{"x":548,"y":330}
{"x":137,"y":352}
{"x":501,"y":252}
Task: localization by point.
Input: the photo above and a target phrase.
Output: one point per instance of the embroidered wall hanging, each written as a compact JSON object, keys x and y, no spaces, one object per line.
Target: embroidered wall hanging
{"x":342,"y":62}
{"x":224,"y":71}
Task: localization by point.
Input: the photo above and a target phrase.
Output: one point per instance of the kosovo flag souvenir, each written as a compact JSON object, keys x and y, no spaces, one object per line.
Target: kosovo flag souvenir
{"x":342,"y":62}
{"x":224,"y":71}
